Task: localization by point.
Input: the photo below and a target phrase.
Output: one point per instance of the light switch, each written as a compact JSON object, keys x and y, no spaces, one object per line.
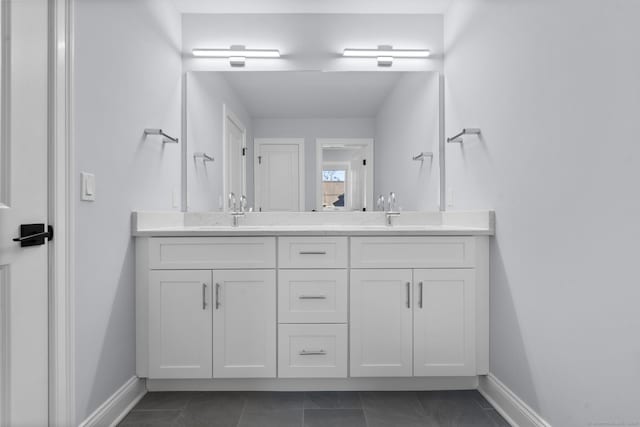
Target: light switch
{"x":88,"y":186}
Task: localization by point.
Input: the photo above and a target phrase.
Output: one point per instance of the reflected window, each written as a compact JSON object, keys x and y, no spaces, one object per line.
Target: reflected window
{"x":333,"y":188}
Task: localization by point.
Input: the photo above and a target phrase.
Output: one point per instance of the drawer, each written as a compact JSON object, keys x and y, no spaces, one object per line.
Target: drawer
{"x":412,"y":252}
{"x":212,"y":252}
{"x":312,"y":351}
{"x":312,"y":296}
{"x":312,"y":252}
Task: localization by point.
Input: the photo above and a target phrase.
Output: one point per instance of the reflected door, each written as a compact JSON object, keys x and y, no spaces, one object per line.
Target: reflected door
{"x":235,"y":153}
{"x":279,"y":174}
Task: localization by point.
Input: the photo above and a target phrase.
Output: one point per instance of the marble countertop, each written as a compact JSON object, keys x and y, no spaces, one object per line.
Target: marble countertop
{"x":191,"y":224}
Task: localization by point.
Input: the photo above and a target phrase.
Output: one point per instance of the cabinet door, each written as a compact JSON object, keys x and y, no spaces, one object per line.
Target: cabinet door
{"x":244,"y":324}
{"x":180,"y":324}
{"x":444,"y":323}
{"x":381,"y":323}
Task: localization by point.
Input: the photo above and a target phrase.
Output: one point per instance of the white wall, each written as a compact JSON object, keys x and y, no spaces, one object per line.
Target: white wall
{"x":312,"y":41}
{"x":407,"y":124}
{"x":206,"y":94}
{"x":554,"y":86}
{"x":310,"y":130}
{"x":126,"y":78}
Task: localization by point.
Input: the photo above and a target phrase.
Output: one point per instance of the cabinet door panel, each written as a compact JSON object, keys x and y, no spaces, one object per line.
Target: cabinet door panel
{"x":444,"y":323}
{"x":381,"y":323}
{"x":244,"y":324}
{"x":180,"y":324}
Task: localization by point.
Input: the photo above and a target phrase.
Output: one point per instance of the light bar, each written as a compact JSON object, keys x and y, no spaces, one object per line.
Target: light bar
{"x":228,"y":53}
{"x":393,"y":53}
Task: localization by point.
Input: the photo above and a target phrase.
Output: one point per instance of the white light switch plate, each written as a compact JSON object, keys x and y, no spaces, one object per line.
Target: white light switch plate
{"x":87,"y":186}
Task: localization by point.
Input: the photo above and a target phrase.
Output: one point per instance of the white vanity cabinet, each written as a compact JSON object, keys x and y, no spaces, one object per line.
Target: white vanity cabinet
{"x":312,"y":309}
{"x":180,"y":324}
{"x":244,"y":324}
{"x":331,"y":309}
{"x":206,"y":307}
{"x":419,"y":312}
{"x":381,"y":323}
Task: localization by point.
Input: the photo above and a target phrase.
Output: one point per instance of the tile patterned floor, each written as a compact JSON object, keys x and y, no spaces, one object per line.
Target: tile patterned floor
{"x":314,"y":409}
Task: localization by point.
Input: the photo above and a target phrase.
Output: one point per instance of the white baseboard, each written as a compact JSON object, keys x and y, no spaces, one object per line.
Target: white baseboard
{"x":315,"y":384}
{"x":114,"y":409}
{"x":511,"y":407}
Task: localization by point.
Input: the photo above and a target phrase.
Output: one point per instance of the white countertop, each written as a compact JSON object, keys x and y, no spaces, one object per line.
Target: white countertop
{"x":191,"y":224}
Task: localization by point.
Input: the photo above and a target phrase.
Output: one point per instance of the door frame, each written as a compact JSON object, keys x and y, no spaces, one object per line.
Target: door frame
{"x":228,"y":114}
{"x":62,"y":184}
{"x":367,"y":142}
{"x":259,"y":142}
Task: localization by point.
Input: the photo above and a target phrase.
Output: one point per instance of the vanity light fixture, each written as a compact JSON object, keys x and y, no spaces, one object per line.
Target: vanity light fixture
{"x":237,"y":54}
{"x":386,"y":54}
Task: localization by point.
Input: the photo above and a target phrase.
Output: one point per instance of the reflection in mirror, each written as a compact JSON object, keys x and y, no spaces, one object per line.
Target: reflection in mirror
{"x":345,"y":182}
{"x":306,"y":140}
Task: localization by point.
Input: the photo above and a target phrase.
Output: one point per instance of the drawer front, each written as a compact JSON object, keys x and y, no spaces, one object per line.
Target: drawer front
{"x":312,"y":252}
{"x":312,"y":296}
{"x":212,"y":252}
{"x":312,"y":351}
{"x":412,"y":252}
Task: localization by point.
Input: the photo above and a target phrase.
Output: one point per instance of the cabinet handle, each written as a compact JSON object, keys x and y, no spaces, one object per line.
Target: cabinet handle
{"x":204,"y":296}
{"x":408,"y":294}
{"x":312,"y":352}
{"x":312,"y":252}
{"x":312,"y":297}
{"x":217,"y":296}
{"x":420,"y":302}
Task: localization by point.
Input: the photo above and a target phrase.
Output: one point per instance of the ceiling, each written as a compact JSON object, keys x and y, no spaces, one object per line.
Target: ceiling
{"x":312,"y":6}
{"x":312,"y":94}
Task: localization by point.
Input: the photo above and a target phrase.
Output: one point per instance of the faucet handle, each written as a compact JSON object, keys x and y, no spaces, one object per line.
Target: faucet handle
{"x":232,"y":201}
{"x":243,"y":203}
{"x":380,"y":202}
{"x":392,"y":201}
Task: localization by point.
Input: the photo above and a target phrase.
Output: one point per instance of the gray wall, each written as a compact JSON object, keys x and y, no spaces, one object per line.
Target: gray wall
{"x":310,"y":130}
{"x":554,"y":86}
{"x":407,"y":124}
{"x":207,"y":93}
{"x":126,"y":78}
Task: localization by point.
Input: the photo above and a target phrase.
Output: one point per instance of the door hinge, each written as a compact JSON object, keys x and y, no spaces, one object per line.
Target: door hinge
{"x":259,"y":160}
{"x":364,"y":162}
{"x":244,"y":151}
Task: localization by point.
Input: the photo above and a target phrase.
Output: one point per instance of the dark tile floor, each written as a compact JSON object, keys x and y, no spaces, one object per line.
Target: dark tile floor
{"x":314,"y":409}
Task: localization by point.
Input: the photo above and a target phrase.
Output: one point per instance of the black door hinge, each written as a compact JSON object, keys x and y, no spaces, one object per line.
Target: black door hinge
{"x":364,"y":162}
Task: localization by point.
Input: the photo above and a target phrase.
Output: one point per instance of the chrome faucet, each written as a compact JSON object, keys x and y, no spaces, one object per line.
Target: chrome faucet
{"x":391,"y":212}
{"x":233,"y":206}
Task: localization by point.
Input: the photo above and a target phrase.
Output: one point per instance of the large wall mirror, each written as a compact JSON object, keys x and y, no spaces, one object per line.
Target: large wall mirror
{"x":311,"y":140}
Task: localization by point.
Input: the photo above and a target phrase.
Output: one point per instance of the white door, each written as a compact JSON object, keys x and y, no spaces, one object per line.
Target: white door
{"x":244,"y":324}
{"x":235,"y":155}
{"x":444,"y":325}
{"x":23,"y":200}
{"x":180,"y":324}
{"x":381,"y":323}
{"x":279,"y":174}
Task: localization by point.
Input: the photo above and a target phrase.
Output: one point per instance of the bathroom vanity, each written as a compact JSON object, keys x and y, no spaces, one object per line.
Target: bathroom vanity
{"x":312,"y":300}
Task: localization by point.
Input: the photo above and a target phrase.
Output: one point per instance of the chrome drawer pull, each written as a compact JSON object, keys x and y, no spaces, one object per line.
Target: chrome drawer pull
{"x":217,"y":296}
{"x":204,"y":296}
{"x":420,"y":284}
{"x":312,"y":297}
{"x":408,"y":294}
{"x":312,"y":352}
{"x":312,"y":252}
